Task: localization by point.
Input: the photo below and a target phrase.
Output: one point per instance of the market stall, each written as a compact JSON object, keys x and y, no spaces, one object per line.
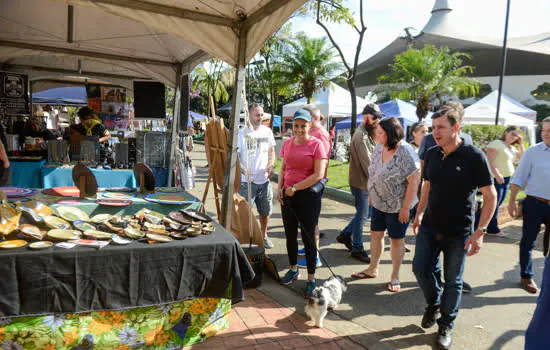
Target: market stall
{"x":156,"y":291}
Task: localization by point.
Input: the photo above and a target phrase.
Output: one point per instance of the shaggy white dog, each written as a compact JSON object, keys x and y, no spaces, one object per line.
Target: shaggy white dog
{"x":326,"y":297}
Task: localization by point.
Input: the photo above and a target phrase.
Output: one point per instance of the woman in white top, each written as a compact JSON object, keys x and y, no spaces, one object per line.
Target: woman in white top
{"x":502,"y":154}
{"x":394,"y":175}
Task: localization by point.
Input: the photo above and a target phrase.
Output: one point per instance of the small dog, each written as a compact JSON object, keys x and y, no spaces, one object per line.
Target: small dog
{"x":326,"y":297}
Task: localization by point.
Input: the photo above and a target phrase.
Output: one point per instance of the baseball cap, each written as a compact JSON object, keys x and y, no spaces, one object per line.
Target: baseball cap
{"x":302,"y":114}
{"x":373,"y":109}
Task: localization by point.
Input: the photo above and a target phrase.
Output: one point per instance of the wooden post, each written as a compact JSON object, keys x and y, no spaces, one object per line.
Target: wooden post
{"x":82,"y":187}
{"x":142,"y":183}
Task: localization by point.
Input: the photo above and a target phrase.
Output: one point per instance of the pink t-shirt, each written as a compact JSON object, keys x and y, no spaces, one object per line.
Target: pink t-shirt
{"x":323,"y":135}
{"x":300,"y":159}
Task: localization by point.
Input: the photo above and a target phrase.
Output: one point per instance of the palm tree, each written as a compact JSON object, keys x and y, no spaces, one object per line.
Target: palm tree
{"x":310,"y":63}
{"x":211,"y":81}
{"x":428,"y":74}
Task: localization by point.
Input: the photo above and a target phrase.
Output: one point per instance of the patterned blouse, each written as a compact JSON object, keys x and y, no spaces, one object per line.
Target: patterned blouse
{"x":388,"y":181}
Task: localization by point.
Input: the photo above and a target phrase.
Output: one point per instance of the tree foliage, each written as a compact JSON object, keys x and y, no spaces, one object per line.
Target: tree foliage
{"x":310,"y":64}
{"x":430,"y":74}
{"x":211,"y":80}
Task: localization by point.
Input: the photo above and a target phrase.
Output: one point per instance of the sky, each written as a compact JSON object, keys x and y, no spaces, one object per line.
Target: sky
{"x":385,"y":21}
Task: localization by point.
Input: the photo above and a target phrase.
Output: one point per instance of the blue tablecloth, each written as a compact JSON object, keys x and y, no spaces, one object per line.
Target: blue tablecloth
{"x":55,"y":177}
{"x":26,"y":174}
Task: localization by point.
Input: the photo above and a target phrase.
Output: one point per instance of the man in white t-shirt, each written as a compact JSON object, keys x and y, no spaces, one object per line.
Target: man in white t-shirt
{"x":256,"y":149}
{"x":52,"y":122}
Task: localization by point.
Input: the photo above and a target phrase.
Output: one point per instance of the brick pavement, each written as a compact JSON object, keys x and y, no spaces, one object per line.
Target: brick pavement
{"x":261,"y":323}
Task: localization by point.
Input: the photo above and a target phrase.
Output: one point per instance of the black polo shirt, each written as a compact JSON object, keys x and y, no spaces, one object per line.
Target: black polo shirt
{"x":454,"y":179}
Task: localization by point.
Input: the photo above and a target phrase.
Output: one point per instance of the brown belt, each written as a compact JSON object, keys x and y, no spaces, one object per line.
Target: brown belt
{"x":547,"y":201}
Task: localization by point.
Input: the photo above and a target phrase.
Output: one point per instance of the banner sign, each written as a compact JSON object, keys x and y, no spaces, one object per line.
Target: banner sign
{"x":14,"y":93}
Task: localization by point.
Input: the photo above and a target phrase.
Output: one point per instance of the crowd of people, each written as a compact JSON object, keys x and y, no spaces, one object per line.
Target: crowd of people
{"x":431,"y":181}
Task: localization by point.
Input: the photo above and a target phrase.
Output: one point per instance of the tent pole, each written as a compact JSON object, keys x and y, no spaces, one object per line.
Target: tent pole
{"x":236,"y":107}
{"x":503,"y":65}
{"x":175,"y":124}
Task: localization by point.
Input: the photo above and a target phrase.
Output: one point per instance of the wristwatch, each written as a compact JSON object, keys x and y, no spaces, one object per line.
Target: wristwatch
{"x":294,"y":189}
{"x":483,"y":230}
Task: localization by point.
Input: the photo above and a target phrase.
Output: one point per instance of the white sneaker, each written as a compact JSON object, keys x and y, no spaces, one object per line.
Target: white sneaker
{"x":267,"y":243}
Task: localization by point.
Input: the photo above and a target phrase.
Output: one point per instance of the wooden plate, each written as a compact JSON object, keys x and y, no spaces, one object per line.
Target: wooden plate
{"x":80,"y":170}
{"x":41,"y":245}
{"x":170,"y":198}
{"x":142,"y":168}
{"x":97,"y":234}
{"x":133,"y":233}
{"x":83,"y":225}
{"x":64,"y":191}
{"x":31,"y":232}
{"x":159,"y":238}
{"x":116,"y":239}
{"x":169,"y":189}
{"x":121,"y":189}
{"x":114,"y":202}
{"x":195,"y":214}
{"x":54,"y":222}
{"x":178,"y":235}
{"x":99,"y":218}
{"x":180,"y":217}
{"x":118,"y":195}
{"x":16,"y":243}
{"x":72,"y":214}
{"x":63,"y":235}
{"x":15,"y":192}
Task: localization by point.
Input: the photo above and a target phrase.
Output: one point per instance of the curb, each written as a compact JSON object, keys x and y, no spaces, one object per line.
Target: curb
{"x":330,"y":192}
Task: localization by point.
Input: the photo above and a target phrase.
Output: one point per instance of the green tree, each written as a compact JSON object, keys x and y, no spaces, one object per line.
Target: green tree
{"x":309,"y":63}
{"x":430,"y":73}
{"x":211,"y":81}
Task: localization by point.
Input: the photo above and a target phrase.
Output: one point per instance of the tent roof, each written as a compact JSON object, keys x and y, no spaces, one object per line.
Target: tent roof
{"x":481,"y":113}
{"x":332,"y":101}
{"x":443,"y":29}
{"x":74,"y":96}
{"x":507,"y":104}
{"x":133,"y":38}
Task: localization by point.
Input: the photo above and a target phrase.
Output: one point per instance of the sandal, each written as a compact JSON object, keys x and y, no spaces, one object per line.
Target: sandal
{"x":394,"y":287}
{"x":361,"y":275}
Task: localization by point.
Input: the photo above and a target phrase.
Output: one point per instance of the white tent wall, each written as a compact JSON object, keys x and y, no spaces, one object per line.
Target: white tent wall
{"x":155,"y":39}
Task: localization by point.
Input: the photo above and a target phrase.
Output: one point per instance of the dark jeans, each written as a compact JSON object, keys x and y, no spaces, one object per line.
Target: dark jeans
{"x":502,"y":191}
{"x":354,"y":229}
{"x":536,"y":337}
{"x":427,"y":269}
{"x":535,"y":213}
{"x":301,"y":210}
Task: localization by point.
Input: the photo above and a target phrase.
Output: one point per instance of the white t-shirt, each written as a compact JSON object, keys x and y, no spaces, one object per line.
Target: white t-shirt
{"x":259,"y":142}
{"x":52,"y":122}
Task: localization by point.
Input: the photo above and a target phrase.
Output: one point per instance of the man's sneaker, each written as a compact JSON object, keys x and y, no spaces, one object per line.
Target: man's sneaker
{"x":302,"y":251}
{"x":290,"y":277}
{"x":303,"y":262}
{"x":430,"y":316}
{"x":444,"y":339}
{"x":362,"y":256}
{"x":466,"y":288}
{"x":345,"y":240}
{"x":267,"y":243}
{"x":309,"y":289}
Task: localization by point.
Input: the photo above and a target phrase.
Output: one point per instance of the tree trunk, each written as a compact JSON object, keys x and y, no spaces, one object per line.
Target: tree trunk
{"x":351,"y":87}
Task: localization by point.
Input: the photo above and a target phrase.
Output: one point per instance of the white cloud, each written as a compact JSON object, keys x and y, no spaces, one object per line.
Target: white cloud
{"x":387,"y":19}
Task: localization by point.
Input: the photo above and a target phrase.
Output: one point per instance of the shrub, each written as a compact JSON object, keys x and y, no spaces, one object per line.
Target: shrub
{"x":482,"y":135}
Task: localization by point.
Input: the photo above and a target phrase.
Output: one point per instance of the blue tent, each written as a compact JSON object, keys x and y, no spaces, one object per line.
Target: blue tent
{"x":65,"y":96}
{"x":197,"y":116}
{"x":405,"y":112}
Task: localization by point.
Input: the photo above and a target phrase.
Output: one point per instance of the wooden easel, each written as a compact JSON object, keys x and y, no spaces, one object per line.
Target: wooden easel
{"x":215,"y":143}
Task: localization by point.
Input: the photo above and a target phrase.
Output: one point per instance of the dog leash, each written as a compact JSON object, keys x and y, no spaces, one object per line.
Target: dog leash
{"x":318,"y":251}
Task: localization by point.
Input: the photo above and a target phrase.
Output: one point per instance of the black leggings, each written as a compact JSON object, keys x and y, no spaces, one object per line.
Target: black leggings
{"x":301,"y":210}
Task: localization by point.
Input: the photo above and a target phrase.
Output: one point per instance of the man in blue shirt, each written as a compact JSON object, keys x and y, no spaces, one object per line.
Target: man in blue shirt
{"x":534,"y":168}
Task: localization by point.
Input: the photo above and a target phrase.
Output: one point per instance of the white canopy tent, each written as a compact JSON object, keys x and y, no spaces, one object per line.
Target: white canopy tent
{"x":485,"y":114}
{"x":130,"y":40}
{"x":332,"y":101}
{"x":508,"y":105}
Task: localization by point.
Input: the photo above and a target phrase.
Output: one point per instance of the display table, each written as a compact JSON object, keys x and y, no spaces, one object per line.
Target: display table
{"x":26,"y":174}
{"x":57,"y":177}
{"x":164,"y":295}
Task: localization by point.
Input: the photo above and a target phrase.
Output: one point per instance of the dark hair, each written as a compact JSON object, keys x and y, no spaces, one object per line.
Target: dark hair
{"x":510,"y":129}
{"x":394,"y":131}
{"x":452,"y":115}
{"x":85,"y":113}
{"x":254,"y":105}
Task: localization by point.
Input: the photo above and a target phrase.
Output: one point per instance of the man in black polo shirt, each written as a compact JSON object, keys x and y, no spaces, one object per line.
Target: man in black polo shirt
{"x":453,"y":171}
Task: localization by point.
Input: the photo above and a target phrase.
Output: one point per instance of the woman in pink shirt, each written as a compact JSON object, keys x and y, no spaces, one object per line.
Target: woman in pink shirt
{"x":304,"y":163}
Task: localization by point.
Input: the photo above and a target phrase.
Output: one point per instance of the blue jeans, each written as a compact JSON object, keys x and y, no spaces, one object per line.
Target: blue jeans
{"x":536,"y":337}
{"x":427,"y":269}
{"x":362,"y":213}
{"x":534,"y":213}
{"x":502,"y":191}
